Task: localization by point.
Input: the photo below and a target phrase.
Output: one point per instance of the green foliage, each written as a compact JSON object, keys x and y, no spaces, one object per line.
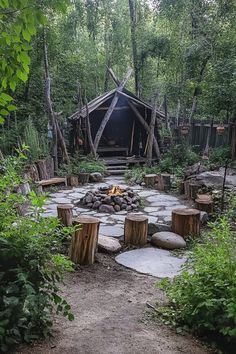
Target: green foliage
{"x":82,"y":165}
{"x":203,"y":297}
{"x":38,"y":145}
{"x":219,"y":155}
{"x":31,"y":265}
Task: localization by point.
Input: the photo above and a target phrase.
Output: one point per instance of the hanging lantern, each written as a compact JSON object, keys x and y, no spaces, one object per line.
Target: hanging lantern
{"x":220,"y":130}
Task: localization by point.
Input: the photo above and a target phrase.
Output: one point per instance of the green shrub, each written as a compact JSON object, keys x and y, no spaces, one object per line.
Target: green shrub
{"x":37,"y":143}
{"x":204,"y":298}
{"x":219,"y":155}
{"x":79,"y":165}
{"x":30,"y":264}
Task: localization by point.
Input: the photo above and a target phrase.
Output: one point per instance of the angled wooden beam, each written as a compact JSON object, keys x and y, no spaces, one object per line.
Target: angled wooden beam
{"x":151,"y":134}
{"x":110,"y":109}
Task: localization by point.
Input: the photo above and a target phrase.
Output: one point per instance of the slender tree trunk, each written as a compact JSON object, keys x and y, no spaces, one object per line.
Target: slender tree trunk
{"x":133,"y":27}
{"x":151,"y":134}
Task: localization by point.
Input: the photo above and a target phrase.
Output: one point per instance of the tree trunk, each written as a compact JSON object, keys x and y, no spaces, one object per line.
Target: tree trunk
{"x":205,"y":205}
{"x":84,"y":241}
{"x":165,"y":181}
{"x":89,"y":134}
{"x":136,"y":229}
{"x":72,"y":181}
{"x":50,"y":166}
{"x":151,"y":134}
{"x":193,"y":190}
{"x":133,"y":25}
{"x":150,"y":180}
{"x":65,"y":214}
{"x":186,"y":222}
{"x":42,"y":169}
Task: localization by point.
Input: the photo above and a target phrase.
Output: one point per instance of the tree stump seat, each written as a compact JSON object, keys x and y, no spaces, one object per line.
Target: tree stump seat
{"x":150,"y":180}
{"x":84,"y":240}
{"x":65,"y":214}
{"x":136,"y":229}
{"x":186,"y":222}
{"x":204,"y":205}
{"x":52,"y":181}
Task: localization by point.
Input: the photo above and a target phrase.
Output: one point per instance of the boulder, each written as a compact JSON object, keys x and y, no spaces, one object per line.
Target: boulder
{"x":95,"y":177}
{"x":204,"y":217}
{"x":96,"y":204}
{"x":106,"y":209}
{"x":214,"y":179}
{"x":195,"y":169}
{"x":168,"y":240}
{"x":108,"y":244}
{"x":156,"y":227}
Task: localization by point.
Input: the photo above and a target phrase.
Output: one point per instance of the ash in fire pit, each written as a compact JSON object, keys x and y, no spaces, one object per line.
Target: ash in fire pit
{"x":111,"y":199}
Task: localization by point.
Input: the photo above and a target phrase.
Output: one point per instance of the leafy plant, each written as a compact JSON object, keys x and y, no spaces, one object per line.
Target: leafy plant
{"x":79,"y":165}
{"x":37,"y":143}
{"x":31,"y":265}
{"x":219,"y":155}
{"x":203,"y":297}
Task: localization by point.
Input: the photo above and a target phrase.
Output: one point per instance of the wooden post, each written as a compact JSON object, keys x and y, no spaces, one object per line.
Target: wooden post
{"x":150,"y":180}
{"x":84,"y":241}
{"x":186,"y":222}
{"x":165,"y":181}
{"x":72,"y":181}
{"x":65,"y":214}
{"x":110,"y":110}
{"x":42,"y":169}
{"x":193,"y":190}
{"x":136,"y":229}
{"x":151,"y":134}
{"x":204,"y":205}
{"x":186,"y":188}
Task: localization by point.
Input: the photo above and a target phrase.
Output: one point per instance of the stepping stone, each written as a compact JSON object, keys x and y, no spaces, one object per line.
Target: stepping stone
{"x":111,"y":231}
{"x":153,"y":261}
{"x":108,"y":244}
{"x":150,"y":209}
{"x":162,"y":198}
{"x":145,"y":194}
{"x":168,"y":240}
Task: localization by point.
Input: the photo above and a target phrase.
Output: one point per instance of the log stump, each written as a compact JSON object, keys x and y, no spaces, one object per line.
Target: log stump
{"x":65,"y":214}
{"x":186,"y":188}
{"x":193,"y":190}
{"x":72,"y":181}
{"x":204,"y":197}
{"x":204,"y":205}
{"x":84,"y":241}
{"x":165,"y":181}
{"x":42,"y":169}
{"x":186,"y":222}
{"x":136,"y":229}
{"x":83,"y":178}
{"x":150,"y":180}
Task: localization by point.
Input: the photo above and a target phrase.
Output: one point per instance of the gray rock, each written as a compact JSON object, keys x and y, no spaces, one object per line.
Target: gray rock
{"x":89,"y":198}
{"x":111,"y":231}
{"x":129,"y":208}
{"x":96,"y":204}
{"x":106,"y":209}
{"x":204,"y":217}
{"x":156,"y":262}
{"x":95,"y":177}
{"x":117,"y":208}
{"x":118,"y":200}
{"x":157,"y":227}
{"x":168,"y":240}
{"x":108,"y":244}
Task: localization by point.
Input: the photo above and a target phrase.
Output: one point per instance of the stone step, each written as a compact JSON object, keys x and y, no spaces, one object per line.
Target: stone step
{"x":116,"y":167}
{"x":117,"y":172}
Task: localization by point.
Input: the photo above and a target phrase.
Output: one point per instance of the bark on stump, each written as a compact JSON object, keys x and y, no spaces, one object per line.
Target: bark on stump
{"x":186,"y":188}
{"x":186,"y":222}
{"x":84,"y":241}
{"x":204,"y":205}
{"x":136,"y":229}
{"x":50,"y":166}
{"x":33,"y":172}
{"x":193,"y":190}
{"x":150,"y":180}
{"x":65,"y":214}
{"x":165,"y":181}
{"x":83,"y":178}
{"x":42,"y":169}
{"x":72,"y":181}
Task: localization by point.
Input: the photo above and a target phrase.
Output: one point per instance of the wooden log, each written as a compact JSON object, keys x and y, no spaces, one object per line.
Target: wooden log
{"x":193,"y":190}
{"x":42,"y":169}
{"x":110,"y":110}
{"x":186,"y":222}
{"x":52,"y":181}
{"x":136,"y":229}
{"x":50,"y":166}
{"x":204,"y":197}
{"x":186,"y":188}
{"x":150,"y":180}
{"x":205,"y":205}
{"x":65,"y":214}
{"x":33,"y":172}
{"x":181,"y":187}
{"x":165,"y":181}
{"x":151,"y":133}
{"x":83,"y":178}
{"x":72,"y":181}
{"x":84,"y":241}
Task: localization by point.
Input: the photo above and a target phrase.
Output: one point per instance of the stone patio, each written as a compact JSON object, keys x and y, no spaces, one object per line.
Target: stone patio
{"x":158,"y":207}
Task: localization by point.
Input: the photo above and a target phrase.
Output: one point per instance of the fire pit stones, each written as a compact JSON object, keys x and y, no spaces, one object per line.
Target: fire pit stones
{"x":111,"y":199}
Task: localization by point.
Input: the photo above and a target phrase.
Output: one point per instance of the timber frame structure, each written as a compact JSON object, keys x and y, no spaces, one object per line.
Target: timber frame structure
{"x":117,"y":122}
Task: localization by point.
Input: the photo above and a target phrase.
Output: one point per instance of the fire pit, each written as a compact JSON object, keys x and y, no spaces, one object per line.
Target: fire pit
{"x":111,"y":199}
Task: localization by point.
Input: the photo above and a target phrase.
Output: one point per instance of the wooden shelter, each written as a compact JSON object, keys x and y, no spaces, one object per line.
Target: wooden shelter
{"x":116,"y":123}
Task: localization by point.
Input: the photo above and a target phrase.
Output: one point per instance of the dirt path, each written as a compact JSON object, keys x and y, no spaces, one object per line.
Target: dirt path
{"x":109,"y":304}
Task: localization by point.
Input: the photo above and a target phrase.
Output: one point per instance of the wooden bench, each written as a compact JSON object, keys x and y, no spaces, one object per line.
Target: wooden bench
{"x":51,"y":181}
{"x":114,"y":149}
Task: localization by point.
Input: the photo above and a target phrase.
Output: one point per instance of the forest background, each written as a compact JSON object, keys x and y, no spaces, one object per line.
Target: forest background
{"x":185,"y":50}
